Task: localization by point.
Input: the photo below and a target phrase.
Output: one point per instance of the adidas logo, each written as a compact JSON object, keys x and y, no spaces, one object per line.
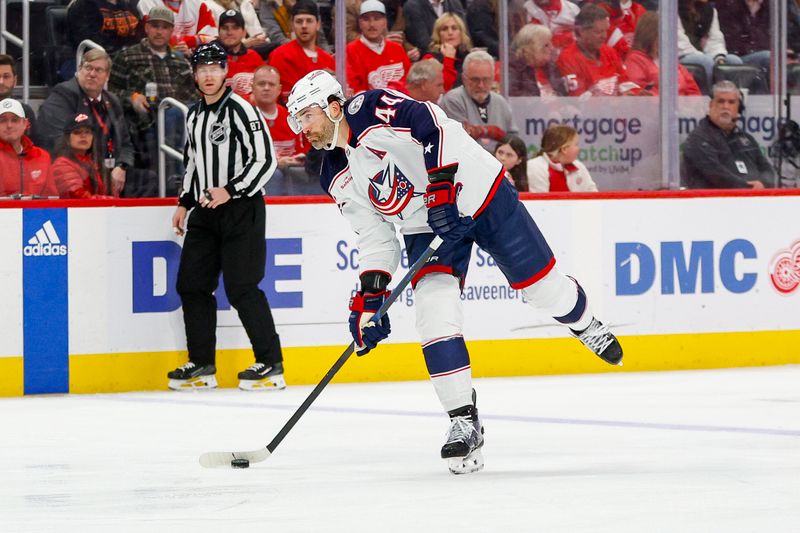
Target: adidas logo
{"x":45,"y":242}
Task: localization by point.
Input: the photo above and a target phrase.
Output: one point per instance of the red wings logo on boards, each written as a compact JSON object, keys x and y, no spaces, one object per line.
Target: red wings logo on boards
{"x":784,"y":270}
{"x":390,"y":191}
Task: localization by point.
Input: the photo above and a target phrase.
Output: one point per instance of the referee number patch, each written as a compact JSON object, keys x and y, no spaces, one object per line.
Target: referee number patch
{"x":255,"y":125}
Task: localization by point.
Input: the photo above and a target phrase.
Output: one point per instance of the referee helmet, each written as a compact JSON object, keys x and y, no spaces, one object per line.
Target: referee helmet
{"x":209,"y":54}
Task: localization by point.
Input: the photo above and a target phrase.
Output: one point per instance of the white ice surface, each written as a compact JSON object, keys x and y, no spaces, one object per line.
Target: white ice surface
{"x":702,"y":451}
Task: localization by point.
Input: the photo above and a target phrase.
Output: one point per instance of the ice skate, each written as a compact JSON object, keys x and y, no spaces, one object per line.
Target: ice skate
{"x":599,"y":339}
{"x":464,"y":441}
{"x":193,"y":377}
{"x":260,"y":376}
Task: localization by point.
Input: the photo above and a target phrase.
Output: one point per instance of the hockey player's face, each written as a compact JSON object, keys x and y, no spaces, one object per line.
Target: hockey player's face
{"x":210,"y":78}
{"x":317,"y":127}
{"x":372,"y":26}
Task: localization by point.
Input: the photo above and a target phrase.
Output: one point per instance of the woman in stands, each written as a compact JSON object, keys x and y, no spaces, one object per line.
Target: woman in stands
{"x":532,"y":70}
{"x":450,"y":44}
{"x":76,"y":170}
{"x":642,"y":60}
{"x":700,"y":41}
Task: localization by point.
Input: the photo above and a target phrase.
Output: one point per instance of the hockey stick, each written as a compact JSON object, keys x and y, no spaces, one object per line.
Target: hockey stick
{"x":214,"y":459}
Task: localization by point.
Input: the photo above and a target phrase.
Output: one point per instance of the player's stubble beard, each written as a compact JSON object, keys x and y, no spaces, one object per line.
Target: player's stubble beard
{"x":326,"y":135}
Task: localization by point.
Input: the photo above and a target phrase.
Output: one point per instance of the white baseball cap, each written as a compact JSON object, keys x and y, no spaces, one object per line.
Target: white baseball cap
{"x":9,"y":105}
{"x":372,"y":6}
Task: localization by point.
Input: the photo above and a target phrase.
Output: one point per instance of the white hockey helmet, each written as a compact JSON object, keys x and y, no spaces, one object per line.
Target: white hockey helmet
{"x":315,"y":88}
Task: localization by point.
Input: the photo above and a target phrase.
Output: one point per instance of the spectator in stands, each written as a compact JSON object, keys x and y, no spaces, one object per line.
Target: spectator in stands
{"x":745,"y":25}
{"x":532,"y":70}
{"x":485,"y":115}
{"x":76,"y":171}
{"x":152,"y":61}
{"x":290,"y":178}
{"x":85,"y":95}
{"x":276,"y":18}
{"x":642,"y":61}
{"x":24,"y":168}
{"x":301,"y":55}
{"x":482,"y":24}
{"x":113,"y":24}
{"x":197,"y":22}
{"x":559,"y":16}
{"x":555,"y":167}
{"x":8,"y":80}
{"x":700,"y":40}
{"x":396,"y":24}
{"x":242,"y":61}
{"x":422,"y":15}
{"x":373,"y":61}
{"x":589,"y":65}
{"x":450,"y":44}
{"x":425,"y":81}
{"x":717,"y":154}
{"x":512,"y":152}
{"x":623,"y":15}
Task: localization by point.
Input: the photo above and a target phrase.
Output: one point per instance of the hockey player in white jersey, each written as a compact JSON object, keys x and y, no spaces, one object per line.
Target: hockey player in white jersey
{"x":393,"y":161}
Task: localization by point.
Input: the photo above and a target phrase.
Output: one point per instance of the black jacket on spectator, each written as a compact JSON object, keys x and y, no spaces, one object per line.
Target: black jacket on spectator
{"x":420,"y":18}
{"x":696,"y":23}
{"x":66,"y":100}
{"x":793,"y":26}
{"x":713,"y":159}
{"x":482,"y":24}
{"x":112,"y":26}
{"x":522,"y":79}
{"x":744,"y":33}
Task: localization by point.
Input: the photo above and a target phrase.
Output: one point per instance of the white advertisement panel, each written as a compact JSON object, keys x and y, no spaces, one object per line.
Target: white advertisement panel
{"x":11,"y":282}
{"x":620,"y":135}
{"x":649,"y":266}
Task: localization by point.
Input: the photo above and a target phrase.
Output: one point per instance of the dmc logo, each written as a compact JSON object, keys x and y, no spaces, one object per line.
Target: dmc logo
{"x":45,"y":242}
{"x":784,"y":269}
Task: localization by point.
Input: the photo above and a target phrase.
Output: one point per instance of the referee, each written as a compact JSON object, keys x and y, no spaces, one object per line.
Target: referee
{"x":229,"y":159}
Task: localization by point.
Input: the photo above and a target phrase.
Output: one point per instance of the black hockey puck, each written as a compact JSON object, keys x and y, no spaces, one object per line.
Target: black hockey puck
{"x":240,"y":463}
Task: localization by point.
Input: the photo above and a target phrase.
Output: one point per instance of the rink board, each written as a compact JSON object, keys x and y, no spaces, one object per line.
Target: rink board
{"x":686,"y":283}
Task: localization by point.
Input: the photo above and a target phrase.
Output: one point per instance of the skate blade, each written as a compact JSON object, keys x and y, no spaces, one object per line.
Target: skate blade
{"x":198,"y":383}
{"x":466,"y":465}
{"x":276,"y":382}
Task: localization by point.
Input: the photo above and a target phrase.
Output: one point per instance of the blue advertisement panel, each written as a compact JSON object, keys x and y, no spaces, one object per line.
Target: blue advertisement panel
{"x":45,"y":301}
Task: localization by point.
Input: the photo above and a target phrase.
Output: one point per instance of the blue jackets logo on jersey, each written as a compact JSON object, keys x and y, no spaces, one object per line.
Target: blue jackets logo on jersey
{"x":390,"y":191}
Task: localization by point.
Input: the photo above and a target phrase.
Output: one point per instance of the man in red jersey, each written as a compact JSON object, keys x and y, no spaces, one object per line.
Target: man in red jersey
{"x":591,"y":66}
{"x":373,"y":62}
{"x":242,"y":62}
{"x":301,"y":55}
{"x":24,"y":168}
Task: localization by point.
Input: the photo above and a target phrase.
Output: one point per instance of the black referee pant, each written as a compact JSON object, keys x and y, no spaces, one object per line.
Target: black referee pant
{"x":228,"y":239}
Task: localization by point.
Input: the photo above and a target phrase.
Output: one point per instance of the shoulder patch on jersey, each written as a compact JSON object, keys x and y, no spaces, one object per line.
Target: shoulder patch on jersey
{"x":255,"y":125}
{"x":355,"y":104}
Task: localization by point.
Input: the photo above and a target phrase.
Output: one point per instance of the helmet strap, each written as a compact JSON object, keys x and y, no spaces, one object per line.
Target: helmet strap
{"x":336,"y":123}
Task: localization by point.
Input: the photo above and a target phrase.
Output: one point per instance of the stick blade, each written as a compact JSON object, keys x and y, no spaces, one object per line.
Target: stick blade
{"x":220,"y":459}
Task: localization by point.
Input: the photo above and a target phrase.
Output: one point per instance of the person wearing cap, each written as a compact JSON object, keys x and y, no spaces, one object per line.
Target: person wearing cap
{"x":84,"y":94}
{"x":242,"y":61}
{"x":373,"y":61}
{"x":76,"y":170}
{"x":276,"y":18}
{"x":145,"y":74}
{"x":8,"y":80}
{"x":301,"y":55}
{"x":113,"y":24}
{"x":197,"y":21}
{"x":229,"y":159}
{"x":24,"y":168}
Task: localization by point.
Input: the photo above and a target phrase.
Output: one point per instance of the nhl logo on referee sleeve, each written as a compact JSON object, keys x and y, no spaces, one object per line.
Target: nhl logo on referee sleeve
{"x":218,"y":134}
{"x":255,"y":125}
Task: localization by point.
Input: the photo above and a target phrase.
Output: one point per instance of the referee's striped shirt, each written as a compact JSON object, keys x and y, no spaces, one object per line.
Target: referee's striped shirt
{"x":227,"y":145}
